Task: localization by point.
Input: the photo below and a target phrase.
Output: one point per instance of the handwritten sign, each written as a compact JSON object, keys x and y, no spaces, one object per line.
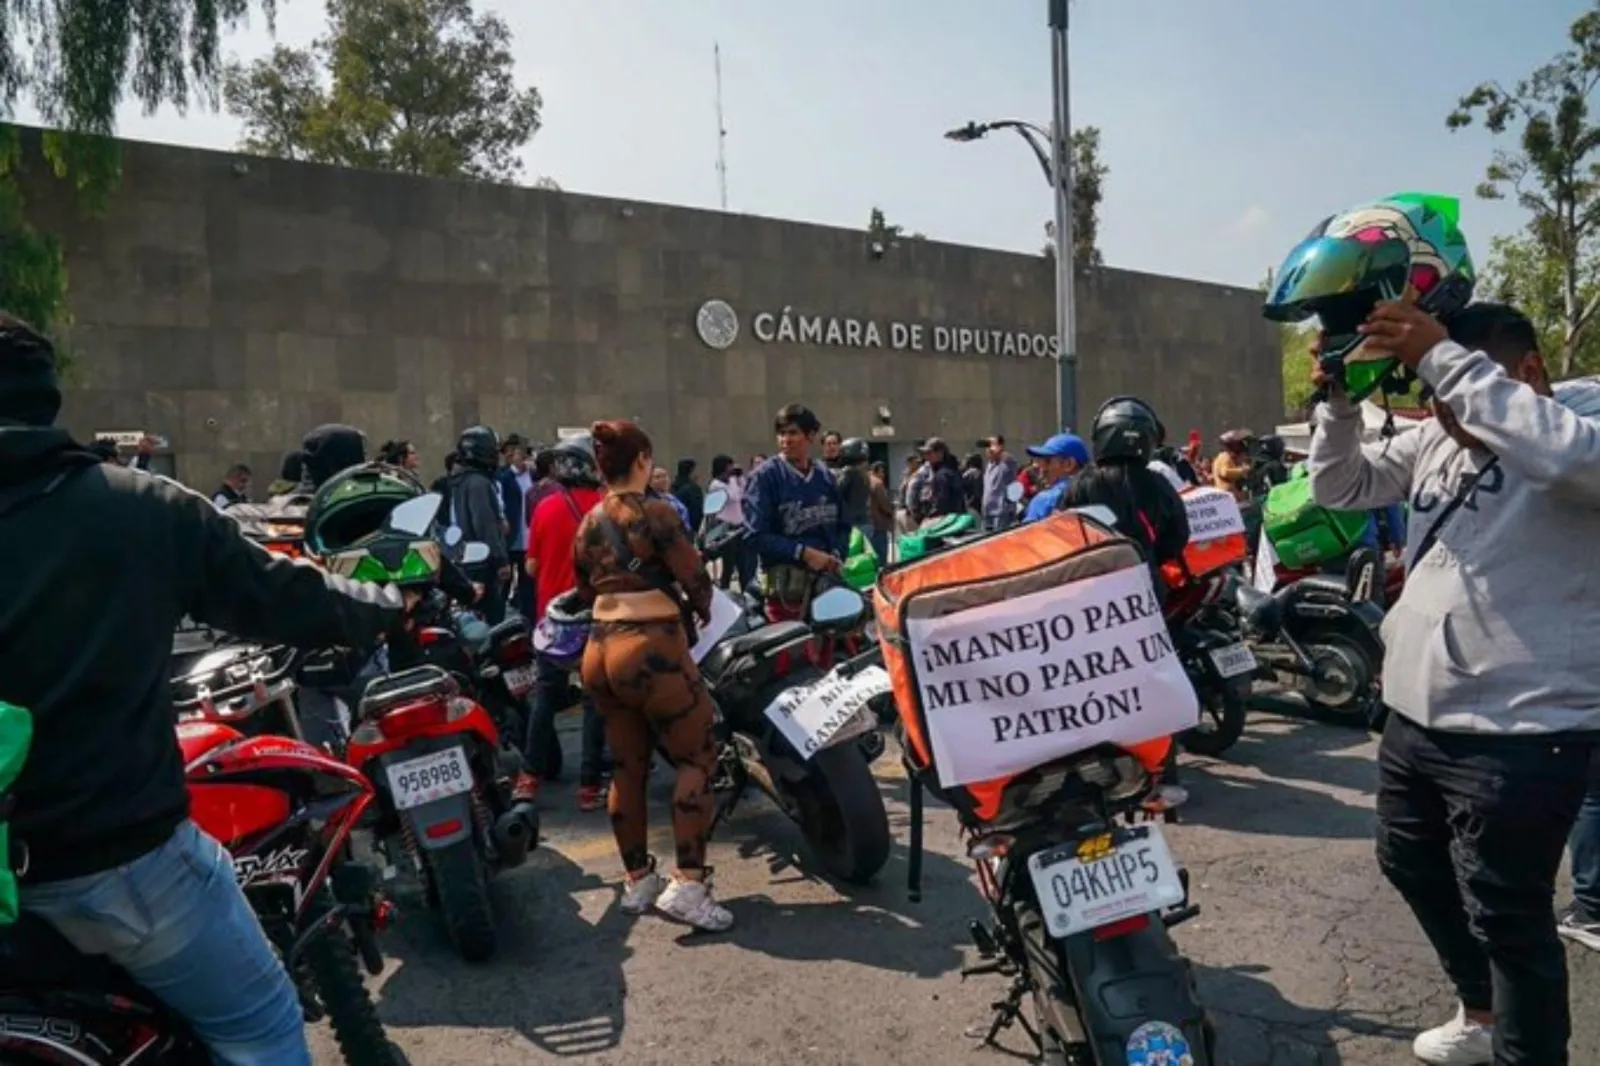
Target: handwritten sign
{"x":1011,"y":685}
{"x":829,"y":712}
{"x":1213,"y":514}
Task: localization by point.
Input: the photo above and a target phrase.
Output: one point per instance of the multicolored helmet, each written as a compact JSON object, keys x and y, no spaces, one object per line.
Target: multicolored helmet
{"x":563,"y":632}
{"x":1406,"y":247}
{"x":347,"y":527}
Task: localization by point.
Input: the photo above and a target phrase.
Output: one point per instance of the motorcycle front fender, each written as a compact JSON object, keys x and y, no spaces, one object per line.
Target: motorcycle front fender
{"x":440,"y":823}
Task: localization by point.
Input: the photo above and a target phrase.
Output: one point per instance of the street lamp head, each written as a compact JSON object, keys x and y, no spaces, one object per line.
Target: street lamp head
{"x":970,"y":132}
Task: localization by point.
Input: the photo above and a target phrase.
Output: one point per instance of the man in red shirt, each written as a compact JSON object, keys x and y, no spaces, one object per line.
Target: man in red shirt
{"x":551,"y":532}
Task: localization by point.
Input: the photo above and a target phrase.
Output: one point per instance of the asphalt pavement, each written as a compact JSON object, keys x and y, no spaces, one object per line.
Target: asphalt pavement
{"x":1305,"y":956}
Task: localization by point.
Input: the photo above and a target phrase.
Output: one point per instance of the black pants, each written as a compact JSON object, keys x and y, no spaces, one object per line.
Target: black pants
{"x":1471,"y":830}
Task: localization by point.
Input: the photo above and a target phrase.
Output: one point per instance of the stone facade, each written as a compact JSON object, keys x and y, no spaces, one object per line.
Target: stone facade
{"x":230,"y":303}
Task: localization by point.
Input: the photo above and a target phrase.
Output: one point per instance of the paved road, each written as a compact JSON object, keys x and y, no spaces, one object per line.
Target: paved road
{"x":1305,"y":955}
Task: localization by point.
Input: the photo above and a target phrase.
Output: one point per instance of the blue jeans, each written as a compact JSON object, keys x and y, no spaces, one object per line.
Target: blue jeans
{"x":1586,"y":850}
{"x":549,"y":699}
{"x":175,"y":920}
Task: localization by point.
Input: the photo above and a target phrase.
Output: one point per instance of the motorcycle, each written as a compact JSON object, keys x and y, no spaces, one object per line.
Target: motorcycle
{"x":285,"y":811}
{"x":442,"y":781}
{"x":783,"y":726}
{"x":1209,"y":639}
{"x":1324,"y":635}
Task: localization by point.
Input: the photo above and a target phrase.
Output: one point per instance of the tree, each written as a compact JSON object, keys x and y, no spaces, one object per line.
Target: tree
{"x":1088,"y":189}
{"x":416,"y":86}
{"x":76,"y":60}
{"x":1553,"y":173}
{"x":1521,"y":272}
{"x":880,"y":235}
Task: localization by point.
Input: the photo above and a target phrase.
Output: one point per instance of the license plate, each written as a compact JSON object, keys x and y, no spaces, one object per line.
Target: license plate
{"x":431,"y":777}
{"x":1233,"y":660}
{"x":1136,"y":877}
{"x":519,"y":679}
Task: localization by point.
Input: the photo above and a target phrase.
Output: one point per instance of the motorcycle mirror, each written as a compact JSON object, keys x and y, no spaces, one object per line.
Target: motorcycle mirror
{"x":1014,"y":492}
{"x":415,"y":517}
{"x":452,"y":536}
{"x":1098,"y":512}
{"x":837,"y":607}
{"x":474,"y":552}
{"x":716,"y":500}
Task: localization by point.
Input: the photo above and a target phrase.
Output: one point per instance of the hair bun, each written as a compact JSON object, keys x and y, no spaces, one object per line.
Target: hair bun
{"x":603,"y":431}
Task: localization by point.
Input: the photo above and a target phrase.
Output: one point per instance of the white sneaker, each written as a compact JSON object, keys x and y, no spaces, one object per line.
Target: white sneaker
{"x":691,"y":902}
{"x":1579,"y":929}
{"x":1458,"y":1042}
{"x":639,"y":895}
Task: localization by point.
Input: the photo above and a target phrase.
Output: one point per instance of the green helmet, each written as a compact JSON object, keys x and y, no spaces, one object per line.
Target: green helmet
{"x":1406,"y":247}
{"x":345,"y":526}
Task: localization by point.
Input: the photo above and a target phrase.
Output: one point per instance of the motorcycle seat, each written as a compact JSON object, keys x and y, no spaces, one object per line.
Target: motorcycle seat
{"x":1316,"y":585}
{"x":754,"y":644}
{"x":1263,"y":612}
{"x":509,"y":628}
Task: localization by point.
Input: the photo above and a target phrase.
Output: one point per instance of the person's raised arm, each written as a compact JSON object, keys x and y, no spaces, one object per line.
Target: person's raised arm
{"x":233,"y":584}
{"x":1351,"y":476}
{"x":1536,"y":436}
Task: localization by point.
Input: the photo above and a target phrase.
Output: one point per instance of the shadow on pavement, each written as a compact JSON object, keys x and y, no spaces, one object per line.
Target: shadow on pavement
{"x":557,"y":977}
{"x":873,"y":925}
{"x":1257,"y":1026}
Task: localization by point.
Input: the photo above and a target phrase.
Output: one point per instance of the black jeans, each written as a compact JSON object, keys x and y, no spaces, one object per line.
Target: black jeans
{"x":1471,"y":830}
{"x":543,"y":751}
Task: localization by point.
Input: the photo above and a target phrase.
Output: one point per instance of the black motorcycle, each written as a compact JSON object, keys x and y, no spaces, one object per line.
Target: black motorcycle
{"x":1221,"y":666}
{"x":1325,"y":634}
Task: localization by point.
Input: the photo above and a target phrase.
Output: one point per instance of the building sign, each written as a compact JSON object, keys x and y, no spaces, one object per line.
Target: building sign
{"x":718,"y":326}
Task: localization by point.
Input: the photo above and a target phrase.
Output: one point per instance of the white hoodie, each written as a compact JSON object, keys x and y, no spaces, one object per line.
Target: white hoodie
{"x":1498,"y":630}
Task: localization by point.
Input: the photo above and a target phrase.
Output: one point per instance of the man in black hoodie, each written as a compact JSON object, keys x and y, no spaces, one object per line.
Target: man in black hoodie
{"x":477,"y":507}
{"x":100,"y":831}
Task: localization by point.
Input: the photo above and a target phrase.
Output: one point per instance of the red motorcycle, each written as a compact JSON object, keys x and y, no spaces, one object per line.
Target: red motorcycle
{"x":444,"y":796}
{"x":285,"y":811}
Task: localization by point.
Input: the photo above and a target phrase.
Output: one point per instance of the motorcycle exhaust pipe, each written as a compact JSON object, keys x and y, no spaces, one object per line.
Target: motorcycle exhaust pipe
{"x":516,"y":832}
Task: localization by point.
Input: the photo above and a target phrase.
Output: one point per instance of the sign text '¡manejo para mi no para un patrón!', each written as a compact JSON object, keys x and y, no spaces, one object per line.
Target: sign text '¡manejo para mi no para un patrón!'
{"x":786,"y":327}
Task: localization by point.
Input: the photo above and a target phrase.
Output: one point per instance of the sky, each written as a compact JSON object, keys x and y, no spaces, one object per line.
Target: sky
{"x":1230,"y":126}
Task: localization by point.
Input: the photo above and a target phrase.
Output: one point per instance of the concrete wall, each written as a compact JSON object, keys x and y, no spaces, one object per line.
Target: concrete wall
{"x":231,"y":303}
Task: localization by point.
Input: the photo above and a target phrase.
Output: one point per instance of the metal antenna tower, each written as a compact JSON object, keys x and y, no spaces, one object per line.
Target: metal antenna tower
{"x":722,"y":131}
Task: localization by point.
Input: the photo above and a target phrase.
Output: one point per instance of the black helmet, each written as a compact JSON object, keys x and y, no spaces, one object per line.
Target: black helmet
{"x":1125,"y":429}
{"x":479,"y":446}
{"x":351,"y":506}
{"x":853,"y":451}
{"x":572,"y":461}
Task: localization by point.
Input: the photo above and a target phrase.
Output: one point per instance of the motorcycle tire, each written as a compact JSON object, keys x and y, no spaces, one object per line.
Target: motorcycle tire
{"x":462,"y":884}
{"x":334,"y":967}
{"x":1224,"y":710}
{"x":842,"y":815}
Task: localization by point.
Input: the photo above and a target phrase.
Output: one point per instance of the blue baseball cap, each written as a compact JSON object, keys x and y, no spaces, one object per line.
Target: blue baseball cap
{"x":1062,"y":446}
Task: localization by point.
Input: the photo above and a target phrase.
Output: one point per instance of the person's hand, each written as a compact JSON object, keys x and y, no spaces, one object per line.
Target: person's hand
{"x":530,"y":566}
{"x":477,"y":591}
{"x":147,"y":445}
{"x":505,"y":574}
{"x":1403,"y":331}
{"x":819,"y":561}
{"x":411,"y":597}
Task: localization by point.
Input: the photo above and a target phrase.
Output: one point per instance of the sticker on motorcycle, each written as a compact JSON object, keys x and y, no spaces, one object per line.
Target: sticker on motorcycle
{"x":813,"y":717}
{"x":1159,"y":1044}
{"x":254,"y":869}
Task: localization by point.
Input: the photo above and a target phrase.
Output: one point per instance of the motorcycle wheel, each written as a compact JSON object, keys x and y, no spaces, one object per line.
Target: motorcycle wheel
{"x":1350,"y":674}
{"x":332,"y":961}
{"x":842,"y":816}
{"x":1222,"y":715}
{"x":462,"y":884}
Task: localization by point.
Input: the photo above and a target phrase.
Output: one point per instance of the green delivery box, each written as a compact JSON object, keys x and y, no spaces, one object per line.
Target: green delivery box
{"x":1304,"y":534}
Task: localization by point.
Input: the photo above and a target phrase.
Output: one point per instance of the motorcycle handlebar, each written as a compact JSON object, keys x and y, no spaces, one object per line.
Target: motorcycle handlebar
{"x":873,"y":656}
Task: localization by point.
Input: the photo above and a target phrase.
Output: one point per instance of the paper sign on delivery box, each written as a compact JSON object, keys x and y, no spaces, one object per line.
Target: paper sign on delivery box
{"x":1213,"y":514}
{"x":1011,"y":685}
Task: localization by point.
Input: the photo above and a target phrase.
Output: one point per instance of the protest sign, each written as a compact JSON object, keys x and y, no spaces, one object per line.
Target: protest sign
{"x":1213,"y":514}
{"x":828,"y":712}
{"x":1010,"y":685}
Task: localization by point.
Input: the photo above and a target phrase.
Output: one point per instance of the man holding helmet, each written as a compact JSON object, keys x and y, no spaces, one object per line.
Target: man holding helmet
{"x":1495,"y":695}
{"x":100,"y":831}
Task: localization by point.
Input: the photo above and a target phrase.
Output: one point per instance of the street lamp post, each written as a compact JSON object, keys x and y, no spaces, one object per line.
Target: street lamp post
{"x":1066,"y":304}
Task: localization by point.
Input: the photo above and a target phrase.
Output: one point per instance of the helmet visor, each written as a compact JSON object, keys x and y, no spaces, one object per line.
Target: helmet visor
{"x":419,"y":562}
{"x":1320,"y":270}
